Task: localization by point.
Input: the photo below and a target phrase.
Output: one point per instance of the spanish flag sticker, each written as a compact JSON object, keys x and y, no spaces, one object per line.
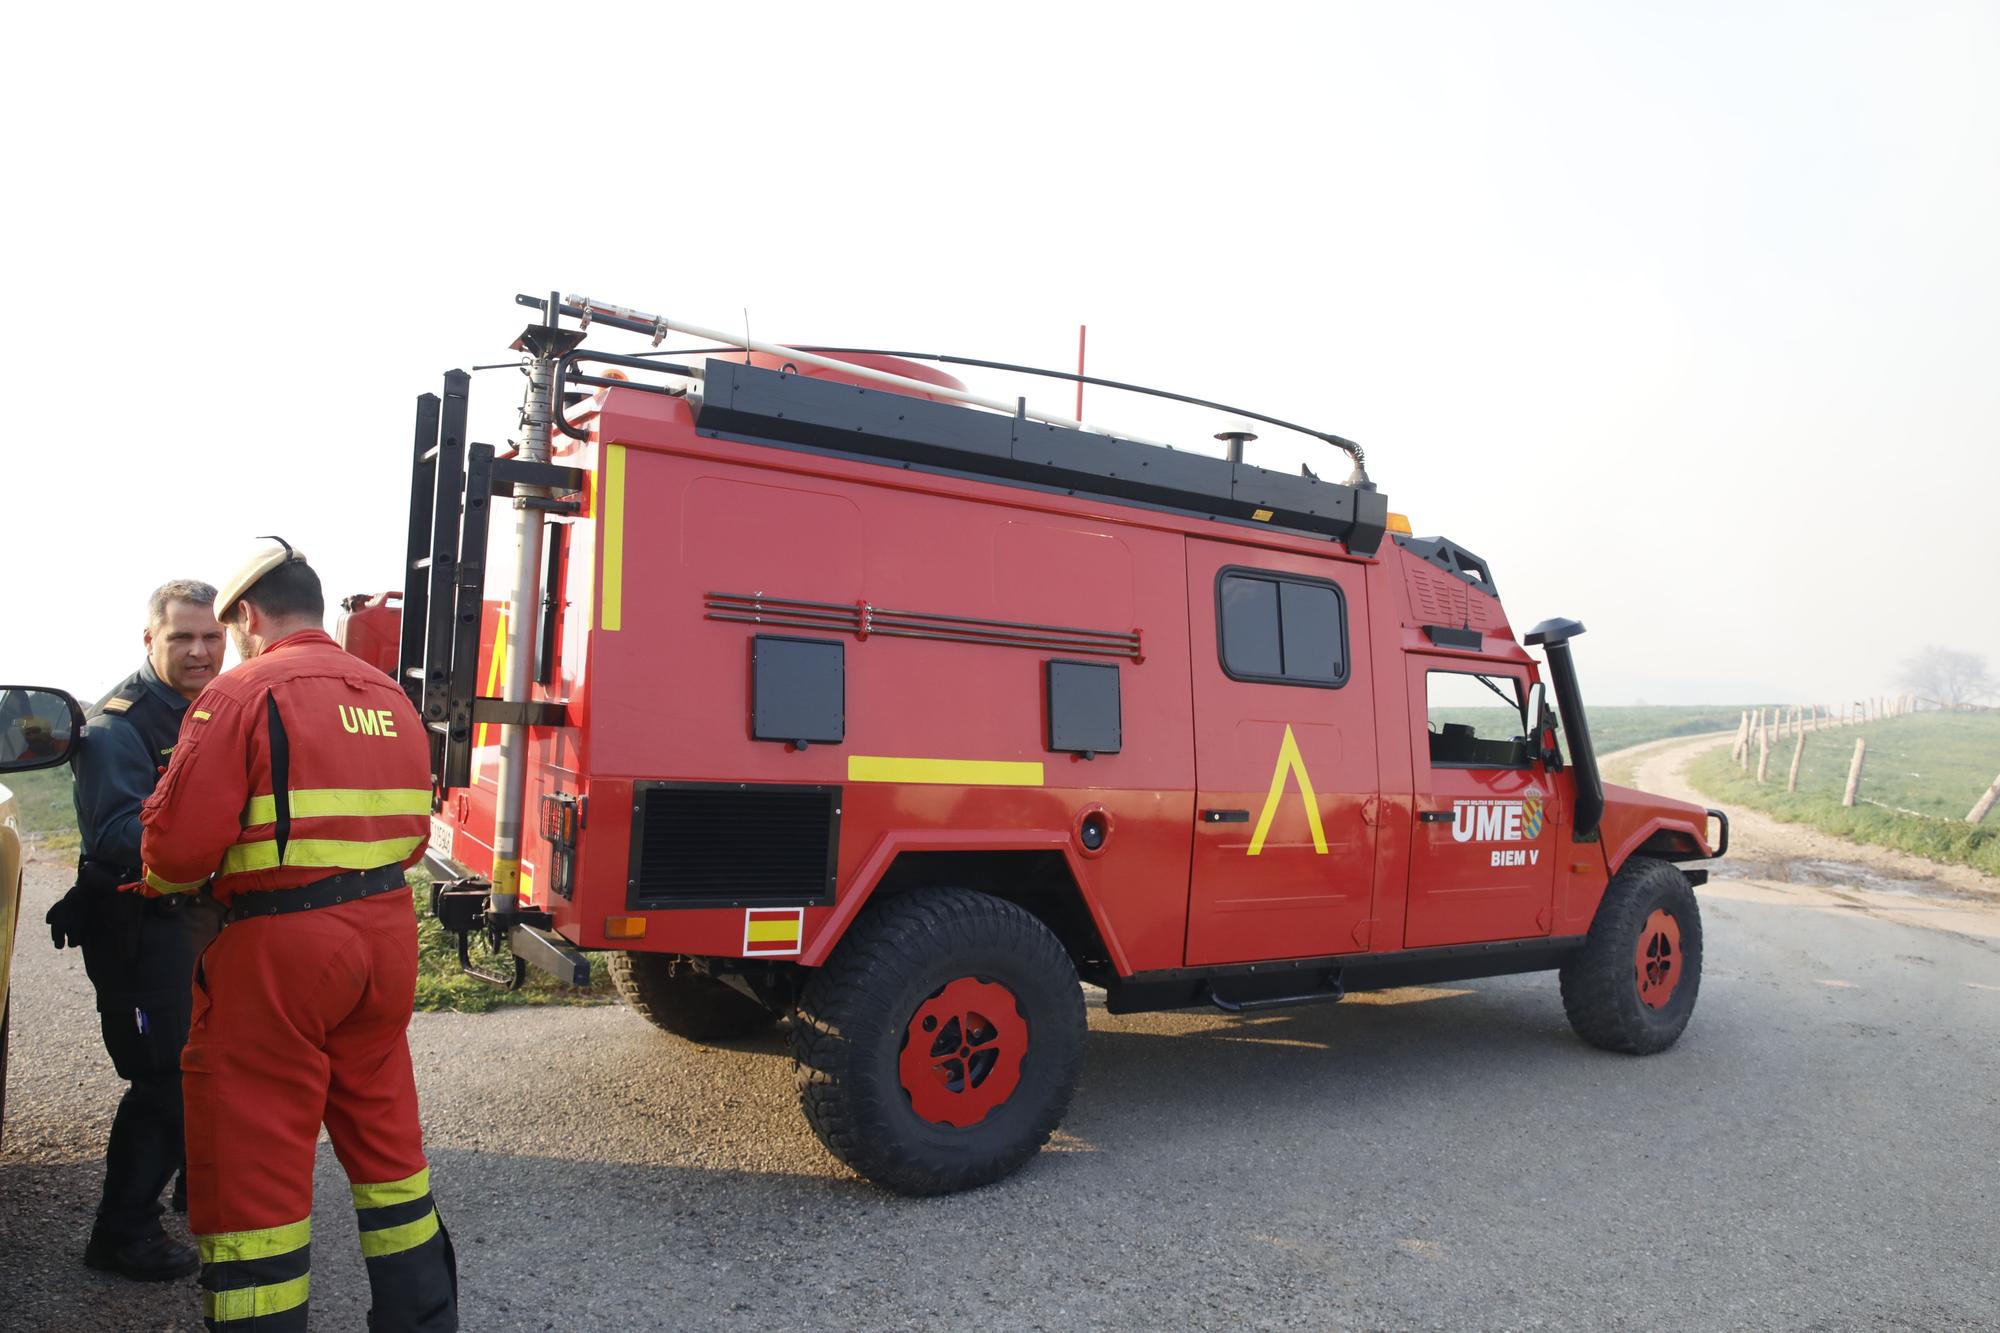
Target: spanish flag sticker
{"x":773,"y":930}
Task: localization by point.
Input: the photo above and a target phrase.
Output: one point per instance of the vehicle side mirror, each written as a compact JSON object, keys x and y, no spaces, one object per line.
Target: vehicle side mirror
{"x":1542,"y":746}
{"x":39,"y":728}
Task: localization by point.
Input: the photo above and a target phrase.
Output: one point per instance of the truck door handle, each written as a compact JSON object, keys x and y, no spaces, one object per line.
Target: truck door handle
{"x":1225,"y":816}
{"x":1434,"y":816}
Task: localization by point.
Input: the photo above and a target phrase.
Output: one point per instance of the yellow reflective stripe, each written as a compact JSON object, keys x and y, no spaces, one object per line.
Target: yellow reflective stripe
{"x":232,"y":1246}
{"x":320,"y":802}
{"x":158,"y":885}
{"x":394,"y":1240}
{"x":395,"y":1191}
{"x":764,"y":932}
{"x":201,"y":715}
{"x":950,"y":772}
{"x":333,"y":853}
{"x":251,"y":1302}
{"x":611,"y":595}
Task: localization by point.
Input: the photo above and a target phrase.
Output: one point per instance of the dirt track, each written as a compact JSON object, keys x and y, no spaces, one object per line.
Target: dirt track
{"x":1817,"y":1152}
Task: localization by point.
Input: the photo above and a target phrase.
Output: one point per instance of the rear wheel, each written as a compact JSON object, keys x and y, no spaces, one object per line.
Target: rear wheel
{"x":1632,"y":986}
{"x":938,"y":1048}
{"x":674,"y":996}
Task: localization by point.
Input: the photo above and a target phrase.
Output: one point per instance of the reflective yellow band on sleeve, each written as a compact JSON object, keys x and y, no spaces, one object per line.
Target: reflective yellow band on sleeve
{"x":394,"y":1240}
{"x":394,"y":1192}
{"x":331,"y":853}
{"x":320,"y":802}
{"x":158,"y":885}
{"x":253,"y":1302}
{"x":201,"y":715}
{"x":233,"y":1246}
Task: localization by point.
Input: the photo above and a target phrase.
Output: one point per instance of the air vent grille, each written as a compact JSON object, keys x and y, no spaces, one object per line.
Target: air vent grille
{"x":733,"y":844}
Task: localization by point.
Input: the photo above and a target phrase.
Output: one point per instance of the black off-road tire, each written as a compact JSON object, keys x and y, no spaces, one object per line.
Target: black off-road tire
{"x":671,"y":994}
{"x":858,"y":1011}
{"x":1604,"y":984}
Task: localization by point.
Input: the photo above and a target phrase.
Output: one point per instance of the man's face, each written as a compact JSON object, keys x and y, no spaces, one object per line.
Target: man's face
{"x":185,"y":648}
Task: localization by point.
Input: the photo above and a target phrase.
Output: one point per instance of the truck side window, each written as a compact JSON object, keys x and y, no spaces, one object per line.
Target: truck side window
{"x":1476,"y":720}
{"x":1284,"y":629}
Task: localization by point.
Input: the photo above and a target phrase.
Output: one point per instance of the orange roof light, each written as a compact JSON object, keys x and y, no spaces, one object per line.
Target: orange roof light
{"x":1400,"y":523}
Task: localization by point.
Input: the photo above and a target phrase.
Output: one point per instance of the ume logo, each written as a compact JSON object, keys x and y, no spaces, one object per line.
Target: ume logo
{"x":367,"y":721}
{"x":1500,"y":821}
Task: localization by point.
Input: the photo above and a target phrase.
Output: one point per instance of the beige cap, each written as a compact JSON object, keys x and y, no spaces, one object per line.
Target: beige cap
{"x":272,"y":552}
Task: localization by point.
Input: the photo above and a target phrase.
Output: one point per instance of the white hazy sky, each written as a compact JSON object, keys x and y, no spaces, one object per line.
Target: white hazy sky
{"x":1686,"y":316}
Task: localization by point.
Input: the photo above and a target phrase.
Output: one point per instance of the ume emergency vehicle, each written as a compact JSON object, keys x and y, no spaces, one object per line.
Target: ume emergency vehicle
{"x":821,"y":687}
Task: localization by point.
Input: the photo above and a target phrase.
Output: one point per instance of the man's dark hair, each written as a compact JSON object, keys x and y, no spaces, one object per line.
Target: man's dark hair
{"x":292,"y":589}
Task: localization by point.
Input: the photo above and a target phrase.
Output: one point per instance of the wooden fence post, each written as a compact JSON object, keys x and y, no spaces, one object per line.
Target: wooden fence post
{"x":1742,"y":734}
{"x":1854,"y":771}
{"x":1985,"y":803}
{"x":1763,"y":755}
{"x":1798,"y":753}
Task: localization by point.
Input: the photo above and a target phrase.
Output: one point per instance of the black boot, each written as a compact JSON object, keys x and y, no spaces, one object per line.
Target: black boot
{"x":155,"y":1258}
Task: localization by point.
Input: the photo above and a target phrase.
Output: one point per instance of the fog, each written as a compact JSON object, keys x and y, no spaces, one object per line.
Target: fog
{"x":1684,"y":317}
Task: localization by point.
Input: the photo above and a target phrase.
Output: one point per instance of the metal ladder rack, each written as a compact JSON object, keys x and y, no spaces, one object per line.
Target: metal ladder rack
{"x":452,"y":484}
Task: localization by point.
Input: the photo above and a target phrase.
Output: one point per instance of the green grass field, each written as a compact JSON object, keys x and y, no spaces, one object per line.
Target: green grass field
{"x":1921,"y":776}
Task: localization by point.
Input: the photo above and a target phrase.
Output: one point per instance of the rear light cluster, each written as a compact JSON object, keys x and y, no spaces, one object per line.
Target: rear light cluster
{"x":562,"y":820}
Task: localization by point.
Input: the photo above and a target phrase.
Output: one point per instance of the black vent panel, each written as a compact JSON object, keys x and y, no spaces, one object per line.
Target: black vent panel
{"x":708,"y":844}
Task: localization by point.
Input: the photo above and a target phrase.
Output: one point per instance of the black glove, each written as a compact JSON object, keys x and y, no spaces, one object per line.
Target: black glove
{"x":69,"y":919}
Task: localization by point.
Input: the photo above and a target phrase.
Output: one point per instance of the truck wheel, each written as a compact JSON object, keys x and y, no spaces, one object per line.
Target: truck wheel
{"x":672,"y":995}
{"x":938,"y":1048}
{"x":1632,"y":986}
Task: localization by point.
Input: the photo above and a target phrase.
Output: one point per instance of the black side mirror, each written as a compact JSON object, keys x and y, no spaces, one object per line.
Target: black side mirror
{"x":39,"y":728}
{"x":1541,"y":746}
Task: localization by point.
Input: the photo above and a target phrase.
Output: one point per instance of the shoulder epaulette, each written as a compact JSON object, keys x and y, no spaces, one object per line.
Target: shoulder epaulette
{"x":117,"y":704}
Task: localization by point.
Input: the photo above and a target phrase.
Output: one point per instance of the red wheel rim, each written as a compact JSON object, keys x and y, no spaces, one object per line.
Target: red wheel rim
{"x":1659,"y":959}
{"x":962,"y":1053}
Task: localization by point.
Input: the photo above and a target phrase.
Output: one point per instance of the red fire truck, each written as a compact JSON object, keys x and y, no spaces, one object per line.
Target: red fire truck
{"x":823,"y":688}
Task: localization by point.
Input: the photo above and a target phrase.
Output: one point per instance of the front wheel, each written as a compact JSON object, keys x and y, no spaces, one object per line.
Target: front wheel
{"x":1632,"y":986}
{"x":938,"y":1048}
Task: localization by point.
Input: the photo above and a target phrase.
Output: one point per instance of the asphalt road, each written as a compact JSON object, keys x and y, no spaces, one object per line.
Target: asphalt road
{"x":1819,"y":1151}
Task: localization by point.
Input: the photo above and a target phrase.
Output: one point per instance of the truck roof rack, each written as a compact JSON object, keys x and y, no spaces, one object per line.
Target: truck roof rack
{"x":758,"y":405}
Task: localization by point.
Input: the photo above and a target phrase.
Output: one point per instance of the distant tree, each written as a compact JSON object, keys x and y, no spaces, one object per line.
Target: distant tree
{"x":1947,"y":677}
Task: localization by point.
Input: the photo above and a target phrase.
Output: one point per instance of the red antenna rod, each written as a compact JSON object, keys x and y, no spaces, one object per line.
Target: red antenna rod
{"x":1081,"y":329}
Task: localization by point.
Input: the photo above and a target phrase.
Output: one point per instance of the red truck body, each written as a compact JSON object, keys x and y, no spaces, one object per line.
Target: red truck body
{"x":811,"y":653}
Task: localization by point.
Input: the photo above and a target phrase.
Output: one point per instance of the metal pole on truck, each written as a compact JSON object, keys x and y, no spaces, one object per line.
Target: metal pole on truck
{"x":543,"y":344}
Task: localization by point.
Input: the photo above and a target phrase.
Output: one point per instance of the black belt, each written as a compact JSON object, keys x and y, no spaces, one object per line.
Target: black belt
{"x":346,"y":887}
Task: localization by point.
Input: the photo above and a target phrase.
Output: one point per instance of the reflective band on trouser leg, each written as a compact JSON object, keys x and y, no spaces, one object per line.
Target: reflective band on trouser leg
{"x":256,"y":1280}
{"x":412,"y":1273}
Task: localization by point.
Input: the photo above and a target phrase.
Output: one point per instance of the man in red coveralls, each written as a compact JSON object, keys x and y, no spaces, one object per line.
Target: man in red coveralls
{"x":301,"y":784}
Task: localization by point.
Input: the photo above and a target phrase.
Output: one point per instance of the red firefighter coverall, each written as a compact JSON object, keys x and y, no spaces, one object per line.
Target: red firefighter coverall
{"x":300,"y":1017}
